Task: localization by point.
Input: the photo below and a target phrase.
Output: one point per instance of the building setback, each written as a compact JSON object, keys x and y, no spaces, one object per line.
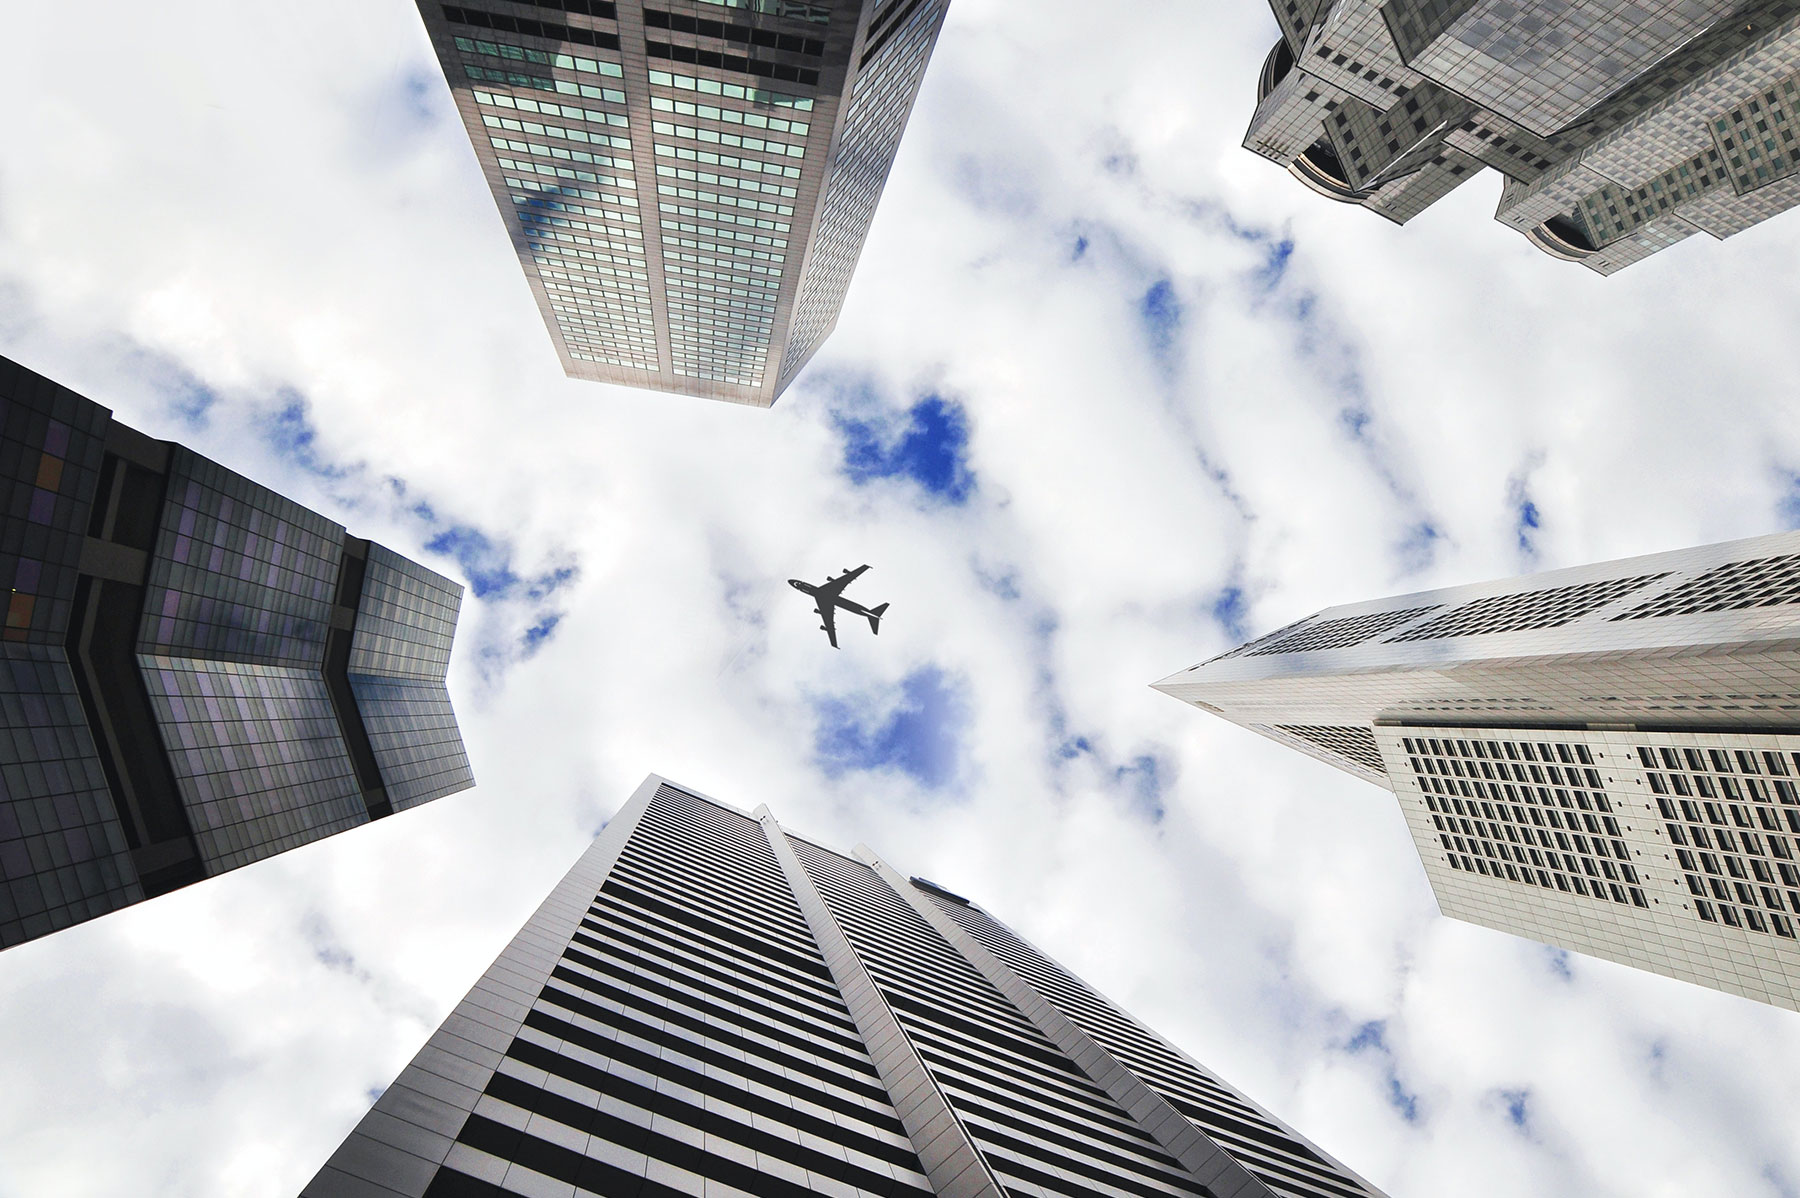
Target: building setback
{"x":195,"y":673}
{"x":710,"y":1004}
{"x":688,"y":183}
{"x":1602,"y":758}
{"x":1619,"y":129}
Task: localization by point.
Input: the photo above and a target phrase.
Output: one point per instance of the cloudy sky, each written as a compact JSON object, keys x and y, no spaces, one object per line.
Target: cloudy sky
{"x":1109,"y":394}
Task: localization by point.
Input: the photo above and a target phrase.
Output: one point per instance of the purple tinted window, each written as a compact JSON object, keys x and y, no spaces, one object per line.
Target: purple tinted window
{"x":14,"y":861}
{"x":26,"y":577}
{"x":57,"y":439}
{"x":80,"y":847}
{"x":43,"y":505}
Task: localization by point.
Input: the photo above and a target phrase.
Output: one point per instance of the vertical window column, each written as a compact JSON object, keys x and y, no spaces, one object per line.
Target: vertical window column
{"x":950,"y":1159}
{"x":1205,"y":1161}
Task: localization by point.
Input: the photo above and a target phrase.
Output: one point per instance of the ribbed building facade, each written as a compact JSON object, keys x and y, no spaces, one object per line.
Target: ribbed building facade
{"x":688,"y":183}
{"x":710,"y":1004}
{"x":195,"y":672}
{"x":1605,"y":758}
{"x":1619,"y":129}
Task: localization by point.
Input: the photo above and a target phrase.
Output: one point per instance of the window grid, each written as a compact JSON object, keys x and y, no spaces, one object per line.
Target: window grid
{"x":1733,"y":817}
{"x":1548,"y":608}
{"x":1341,"y":633}
{"x":1735,"y":586}
{"x":1531,"y":812}
{"x":1353,"y":744}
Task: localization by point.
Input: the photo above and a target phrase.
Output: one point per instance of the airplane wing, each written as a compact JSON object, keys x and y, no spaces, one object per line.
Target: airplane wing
{"x":828,"y":613}
{"x":833,"y":587}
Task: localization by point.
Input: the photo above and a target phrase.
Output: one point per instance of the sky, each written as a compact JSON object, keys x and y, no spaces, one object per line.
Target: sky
{"x":1109,"y":394}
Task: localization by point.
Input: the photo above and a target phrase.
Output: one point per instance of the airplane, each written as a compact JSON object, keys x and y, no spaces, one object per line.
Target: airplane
{"x":829,"y":596}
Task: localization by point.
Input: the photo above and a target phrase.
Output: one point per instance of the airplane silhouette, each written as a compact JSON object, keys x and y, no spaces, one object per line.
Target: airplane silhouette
{"x":829,"y":596}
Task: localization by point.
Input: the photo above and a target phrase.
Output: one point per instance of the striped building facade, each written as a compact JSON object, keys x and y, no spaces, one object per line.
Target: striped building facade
{"x":710,"y":1004}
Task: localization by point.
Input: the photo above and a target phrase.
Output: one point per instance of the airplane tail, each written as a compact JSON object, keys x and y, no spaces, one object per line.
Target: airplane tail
{"x":875,"y":619}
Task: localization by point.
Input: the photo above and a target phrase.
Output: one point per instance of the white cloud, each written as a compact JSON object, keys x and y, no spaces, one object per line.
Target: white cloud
{"x":275,"y":205}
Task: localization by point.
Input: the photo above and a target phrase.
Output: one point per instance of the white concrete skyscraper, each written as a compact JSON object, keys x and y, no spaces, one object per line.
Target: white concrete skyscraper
{"x":709,"y":1004}
{"x":1602,"y":758}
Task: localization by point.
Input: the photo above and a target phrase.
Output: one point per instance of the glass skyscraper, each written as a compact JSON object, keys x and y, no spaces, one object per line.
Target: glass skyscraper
{"x":1604,"y":758}
{"x":195,"y":673}
{"x":1620,"y":129}
{"x":688,"y":183}
{"x":709,"y":1004}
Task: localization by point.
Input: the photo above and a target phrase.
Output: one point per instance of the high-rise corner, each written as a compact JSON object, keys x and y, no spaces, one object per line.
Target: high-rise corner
{"x":711,"y":1004}
{"x":1604,"y":758}
{"x":1618,"y":129}
{"x":688,"y":183}
{"x":196,"y":673}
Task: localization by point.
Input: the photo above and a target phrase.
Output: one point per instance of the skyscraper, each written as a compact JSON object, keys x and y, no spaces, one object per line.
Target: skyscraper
{"x":710,"y":1004}
{"x":1619,"y":129}
{"x":688,"y":183}
{"x":1602,"y":758}
{"x":195,"y":673}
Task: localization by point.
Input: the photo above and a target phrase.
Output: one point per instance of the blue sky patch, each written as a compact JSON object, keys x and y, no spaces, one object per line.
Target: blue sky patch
{"x":1275,"y":263}
{"x":540,"y":632}
{"x":1418,"y":547}
{"x":487,"y":566}
{"x":1230,"y":608}
{"x":289,"y":431}
{"x":1371,"y":1037}
{"x":1143,"y":781}
{"x":1527,"y":519}
{"x":1161,"y":312}
{"x":1518,"y":1108}
{"x":920,"y":735}
{"x":1790,"y":503}
{"x":931,"y":449}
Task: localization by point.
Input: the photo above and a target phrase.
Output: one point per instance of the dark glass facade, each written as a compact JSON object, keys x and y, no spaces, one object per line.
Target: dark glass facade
{"x":175,"y":673}
{"x":398,"y":658}
{"x":1619,"y":129}
{"x":709,"y":1004}
{"x":688,"y":183}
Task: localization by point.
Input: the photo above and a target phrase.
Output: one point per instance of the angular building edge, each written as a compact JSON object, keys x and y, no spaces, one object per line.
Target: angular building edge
{"x":1615,"y":141}
{"x":1604,"y":758}
{"x":644,"y":275}
{"x":395,"y":1150}
{"x":196,"y":672}
{"x":411,"y":1132}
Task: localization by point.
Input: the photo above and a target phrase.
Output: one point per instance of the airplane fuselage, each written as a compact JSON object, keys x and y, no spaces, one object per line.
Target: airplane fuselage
{"x":849,"y":605}
{"x":828,"y":599}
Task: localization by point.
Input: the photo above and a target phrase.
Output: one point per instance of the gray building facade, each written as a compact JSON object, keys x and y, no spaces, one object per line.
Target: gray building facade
{"x":1619,"y":129}
{"x":709,"y":1004}
{"x":195,"y":672}
{"x":1604,"y":758}
{"x":688,"y":183}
